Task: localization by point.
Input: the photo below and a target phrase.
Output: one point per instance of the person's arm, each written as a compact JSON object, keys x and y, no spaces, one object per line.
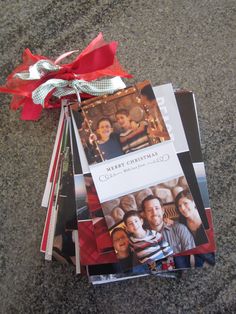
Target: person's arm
{"x":186,"y":238}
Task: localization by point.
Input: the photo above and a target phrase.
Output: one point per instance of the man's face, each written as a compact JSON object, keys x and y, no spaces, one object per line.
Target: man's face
{"x":153,"y":212}
{"x":123,"y":120}
{"x":134,"y":225}
{"x":121,"y":242}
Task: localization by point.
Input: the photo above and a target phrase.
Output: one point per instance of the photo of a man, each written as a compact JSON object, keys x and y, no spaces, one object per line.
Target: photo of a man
{"x":175,"y":233}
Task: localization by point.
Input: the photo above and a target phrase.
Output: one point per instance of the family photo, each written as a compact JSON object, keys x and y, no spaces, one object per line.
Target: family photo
{"x":127,"y":121}
{"x":154,"y":223}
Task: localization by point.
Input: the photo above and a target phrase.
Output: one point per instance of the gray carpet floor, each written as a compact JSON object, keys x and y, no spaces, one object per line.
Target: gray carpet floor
{"x":189,"y":43}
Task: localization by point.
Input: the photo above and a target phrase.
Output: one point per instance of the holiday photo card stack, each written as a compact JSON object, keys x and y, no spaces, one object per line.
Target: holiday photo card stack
{"x":126,"y":193}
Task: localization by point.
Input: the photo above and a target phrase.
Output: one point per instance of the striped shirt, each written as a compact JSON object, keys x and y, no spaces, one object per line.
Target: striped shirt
{"x":150,"y":248}
{"x":134,"y":139}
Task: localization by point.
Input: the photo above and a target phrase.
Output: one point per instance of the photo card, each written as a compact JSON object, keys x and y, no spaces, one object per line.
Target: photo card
{"x":118,"y":124}
{"x":64,"y":242}
{"x":147,"y":160}
{"x":82,"y":210}
{"x":176,"y":127}
{"x":102,"y":235}
{"x":156,"y":220}
{"x":52,"y":201}
{"x":204,"y":254}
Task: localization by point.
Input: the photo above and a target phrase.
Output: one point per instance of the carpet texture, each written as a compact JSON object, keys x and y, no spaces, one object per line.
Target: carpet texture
{"x":189,"y":43}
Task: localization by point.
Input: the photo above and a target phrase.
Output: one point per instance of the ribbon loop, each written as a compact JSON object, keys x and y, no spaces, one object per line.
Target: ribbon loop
{"x":38,"y":70}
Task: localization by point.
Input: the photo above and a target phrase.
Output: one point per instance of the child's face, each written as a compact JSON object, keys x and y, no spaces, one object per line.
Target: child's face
{"x":123,"y":120}
{"x":134,"y":225}
{"x":104,"y":129}
{"x":121,"y":242}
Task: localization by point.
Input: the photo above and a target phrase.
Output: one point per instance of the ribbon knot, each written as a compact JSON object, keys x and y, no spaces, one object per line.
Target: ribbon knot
{"x":59,"y":88}
{"x":37,"y":79}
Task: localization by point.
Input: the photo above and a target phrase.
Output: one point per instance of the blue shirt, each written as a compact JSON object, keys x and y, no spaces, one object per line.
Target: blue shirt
{"x":111,"y":148}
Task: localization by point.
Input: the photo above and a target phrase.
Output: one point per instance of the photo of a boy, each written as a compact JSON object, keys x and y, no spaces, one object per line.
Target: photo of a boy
{"x":147,"y":244}
{"x":108,"y":142}
{"x":133,"y":135}
{"x":118,"y":124}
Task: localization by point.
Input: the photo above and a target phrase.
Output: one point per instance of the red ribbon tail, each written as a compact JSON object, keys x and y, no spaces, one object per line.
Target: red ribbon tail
{"x":98,"y":59}
{"x":31,"y":111}
{"x":95,"y":43}
{"x":16,"y":102}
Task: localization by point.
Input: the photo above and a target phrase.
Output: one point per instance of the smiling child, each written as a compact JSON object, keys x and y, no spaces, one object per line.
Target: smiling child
{"x":147,"y":244}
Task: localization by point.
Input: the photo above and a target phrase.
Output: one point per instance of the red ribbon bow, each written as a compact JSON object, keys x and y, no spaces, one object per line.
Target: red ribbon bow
{"x":96,"y":60}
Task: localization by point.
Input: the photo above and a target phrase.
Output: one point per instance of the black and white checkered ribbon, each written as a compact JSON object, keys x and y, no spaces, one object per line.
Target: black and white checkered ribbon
{"x":38,"y":70}
{"x":64,"y":87}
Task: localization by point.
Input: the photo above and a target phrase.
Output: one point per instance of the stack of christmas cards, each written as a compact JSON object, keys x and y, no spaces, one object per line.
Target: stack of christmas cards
{"x":126,"y":193}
